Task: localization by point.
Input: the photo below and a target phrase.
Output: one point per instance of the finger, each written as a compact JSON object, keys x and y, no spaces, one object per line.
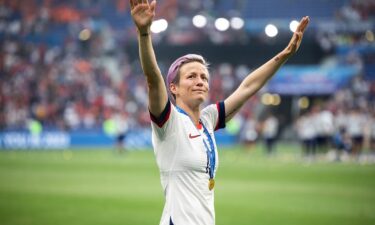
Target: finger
{"x":305,"y":24}
{"x":131,"y":4}
{"x":295,"y":42}
{"x":296,"y":38}
{"x":137,"y":9}
{"x":153,"y":6}
{"x":144,"y":1}
{"x":299,"y":27}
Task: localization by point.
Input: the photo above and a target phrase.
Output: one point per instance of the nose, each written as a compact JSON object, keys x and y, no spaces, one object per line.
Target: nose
{"x":200,"y":81}
{"x":202,"y":84}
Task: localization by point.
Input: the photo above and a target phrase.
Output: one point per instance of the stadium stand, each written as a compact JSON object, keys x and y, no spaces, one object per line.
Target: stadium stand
{"x":72,"y":65}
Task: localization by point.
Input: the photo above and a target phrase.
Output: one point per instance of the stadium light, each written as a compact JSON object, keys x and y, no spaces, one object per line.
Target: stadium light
{"x":303,"y":102}
{"x":199,"y":21}
{"x":271,"y":99}
{"x":271,"y":30}
{"x":221,"y":24}
{"x":369,"y":36}
{"x":266,"y":99}
{"x":237,"y":23}
{"x":159,"y":26}
{"x":84,"y":35}
{"x":293,"y":25}
{"x":276,"y":100}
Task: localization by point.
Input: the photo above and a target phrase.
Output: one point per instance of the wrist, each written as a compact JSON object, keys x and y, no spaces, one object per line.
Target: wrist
{"x":143,"y":32}
{"x":283,"y":55}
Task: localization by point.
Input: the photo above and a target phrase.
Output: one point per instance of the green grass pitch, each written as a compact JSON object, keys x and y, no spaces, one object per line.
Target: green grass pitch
{"x":102,"y":187}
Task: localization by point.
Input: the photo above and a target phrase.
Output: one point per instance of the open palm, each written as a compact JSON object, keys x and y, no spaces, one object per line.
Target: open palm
{"x":295,"y":42}
{"x":142,"y":13}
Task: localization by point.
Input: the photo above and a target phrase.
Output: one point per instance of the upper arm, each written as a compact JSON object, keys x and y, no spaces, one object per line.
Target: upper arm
{"x":157,"y":92}
{"x":157,"y":96}
{"x":164,"y":124}
{"x":215,"y":115}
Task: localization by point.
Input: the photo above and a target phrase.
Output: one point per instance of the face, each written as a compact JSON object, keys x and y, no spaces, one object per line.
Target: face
{"x":193,"y":84}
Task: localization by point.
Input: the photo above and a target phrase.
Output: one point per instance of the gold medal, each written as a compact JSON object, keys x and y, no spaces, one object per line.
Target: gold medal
{"x":211,"y":184}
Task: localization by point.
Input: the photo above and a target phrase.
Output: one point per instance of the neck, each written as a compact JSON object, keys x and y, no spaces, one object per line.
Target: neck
{"x":193,"y":112}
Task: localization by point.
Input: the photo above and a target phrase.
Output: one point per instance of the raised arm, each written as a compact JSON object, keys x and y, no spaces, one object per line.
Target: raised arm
{"x":258,"y":78}
{"x":143,"y":13}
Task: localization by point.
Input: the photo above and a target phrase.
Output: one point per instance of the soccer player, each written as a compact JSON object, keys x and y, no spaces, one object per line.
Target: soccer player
{"x":182,"y":132}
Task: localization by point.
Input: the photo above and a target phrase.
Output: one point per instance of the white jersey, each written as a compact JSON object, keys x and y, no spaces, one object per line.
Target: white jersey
{"x":306,"y":127}
{"x":357,"y":124}
{"x":271,"y":125}
{"x":182,"y":160}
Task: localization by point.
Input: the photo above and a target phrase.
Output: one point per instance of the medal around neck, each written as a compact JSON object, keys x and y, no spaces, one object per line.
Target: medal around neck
{"x":211,"y":184}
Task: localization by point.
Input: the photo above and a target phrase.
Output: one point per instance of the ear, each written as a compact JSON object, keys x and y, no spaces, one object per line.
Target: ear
{"x":173,"y":88}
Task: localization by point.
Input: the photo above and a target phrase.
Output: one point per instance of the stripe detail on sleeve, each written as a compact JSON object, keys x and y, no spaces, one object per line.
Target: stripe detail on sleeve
{"x":221,"y":118}
{"x":164,"y":116}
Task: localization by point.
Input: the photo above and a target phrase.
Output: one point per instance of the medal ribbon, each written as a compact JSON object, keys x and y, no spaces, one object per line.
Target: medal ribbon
{"x":211,"y":157}
{"x":210,"y":152}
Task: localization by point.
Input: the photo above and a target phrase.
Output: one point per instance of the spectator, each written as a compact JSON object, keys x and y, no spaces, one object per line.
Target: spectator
{"x":356,"y":128}
{"x":342,"y":143}
{"x":269,"y":132}
{"x":306,"y":131}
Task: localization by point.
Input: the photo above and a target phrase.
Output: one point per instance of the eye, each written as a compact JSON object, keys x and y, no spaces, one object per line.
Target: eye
{"x":191,"y":76}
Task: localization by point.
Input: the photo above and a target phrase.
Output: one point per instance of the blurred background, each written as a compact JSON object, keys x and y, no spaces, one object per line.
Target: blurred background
{"x":70,"y":78}
{"x":69,"y":70}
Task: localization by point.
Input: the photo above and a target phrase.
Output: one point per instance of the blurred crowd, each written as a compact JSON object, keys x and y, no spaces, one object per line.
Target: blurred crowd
{"x":63,"y":64}
{"x":346,"y":122}
{"x":66,"y":68}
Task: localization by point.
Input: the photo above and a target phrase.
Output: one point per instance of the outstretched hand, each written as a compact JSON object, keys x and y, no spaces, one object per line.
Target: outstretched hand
{"x":143,"y":13}
{"x":295,"y":42}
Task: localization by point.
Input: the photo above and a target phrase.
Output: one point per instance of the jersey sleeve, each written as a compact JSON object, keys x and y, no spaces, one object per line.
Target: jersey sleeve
{"x":215,"y":115}
{"x":162,"y":125}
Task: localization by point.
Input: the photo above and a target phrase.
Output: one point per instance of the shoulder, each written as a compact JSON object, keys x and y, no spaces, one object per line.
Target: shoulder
{"x":214,"y":114}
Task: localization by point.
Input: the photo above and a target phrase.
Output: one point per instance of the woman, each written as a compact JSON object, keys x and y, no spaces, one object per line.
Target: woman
{"x":182,"y":133}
